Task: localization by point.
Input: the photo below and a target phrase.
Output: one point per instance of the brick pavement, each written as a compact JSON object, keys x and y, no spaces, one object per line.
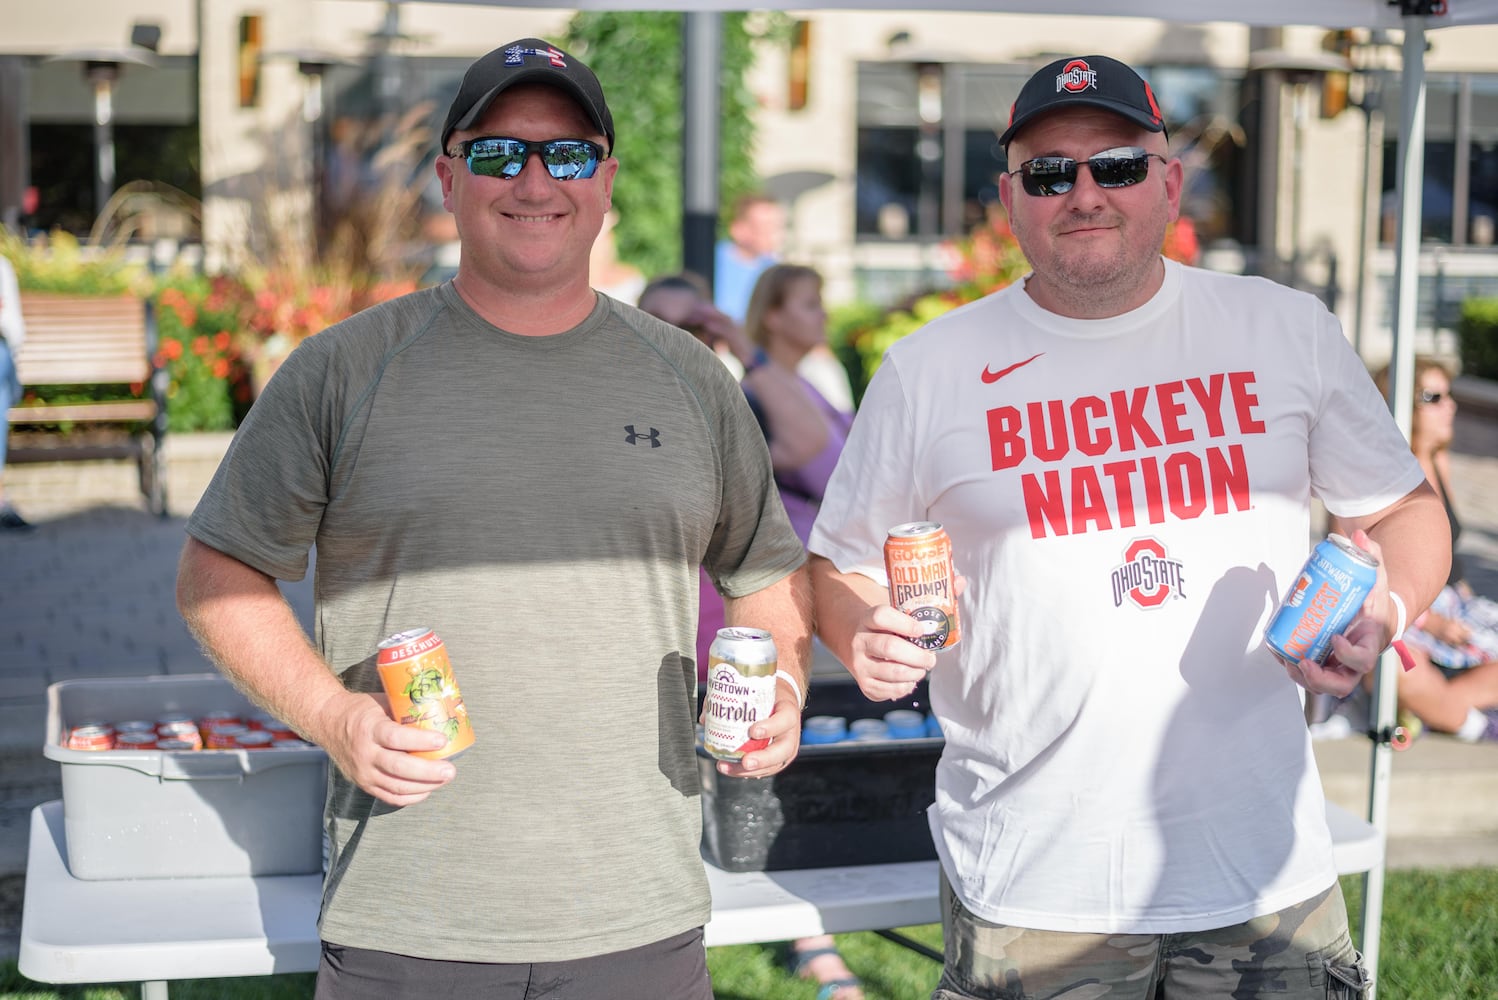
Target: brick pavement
{"x":91,"y":593}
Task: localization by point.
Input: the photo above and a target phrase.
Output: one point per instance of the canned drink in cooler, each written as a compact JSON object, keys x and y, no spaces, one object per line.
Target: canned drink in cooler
{"x":741,"y":666}
{"x":1323,"y":600}
{"x":922,"y":581}
{"x":418,"y":680}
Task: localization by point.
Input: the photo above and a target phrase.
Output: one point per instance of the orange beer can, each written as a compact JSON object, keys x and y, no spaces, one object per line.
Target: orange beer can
{"x":922,"y":581}
{"x":419,"y":682}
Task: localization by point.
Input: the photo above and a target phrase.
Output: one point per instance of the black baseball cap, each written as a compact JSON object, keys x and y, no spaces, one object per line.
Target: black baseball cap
{"x":1093,"y":81}
{"x":530,"y":60}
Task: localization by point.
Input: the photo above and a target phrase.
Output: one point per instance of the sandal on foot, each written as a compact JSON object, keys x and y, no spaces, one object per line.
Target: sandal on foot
{"x":799,"y":960}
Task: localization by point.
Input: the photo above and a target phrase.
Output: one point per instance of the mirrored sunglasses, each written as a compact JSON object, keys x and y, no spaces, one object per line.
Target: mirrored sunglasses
{"x":502,"y":156}
{"x":1431,"y":398}
{"x":1123,"y":166}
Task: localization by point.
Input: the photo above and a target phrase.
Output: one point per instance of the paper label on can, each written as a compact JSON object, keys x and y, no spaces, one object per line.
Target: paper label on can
{"x":734,"y":703}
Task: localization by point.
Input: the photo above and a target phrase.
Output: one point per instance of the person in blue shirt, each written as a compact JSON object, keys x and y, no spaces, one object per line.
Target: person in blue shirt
{"x":754,"y":242}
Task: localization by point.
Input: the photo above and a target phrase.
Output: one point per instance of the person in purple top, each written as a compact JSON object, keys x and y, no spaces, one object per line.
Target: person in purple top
{"x":786,"y":321}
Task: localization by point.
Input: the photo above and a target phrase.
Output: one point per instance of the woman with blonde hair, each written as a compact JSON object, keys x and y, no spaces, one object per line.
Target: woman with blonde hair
{"x":1451,"y":684}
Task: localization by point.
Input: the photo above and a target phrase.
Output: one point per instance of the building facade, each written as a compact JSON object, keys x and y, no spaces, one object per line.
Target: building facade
{"x":877,"y":130}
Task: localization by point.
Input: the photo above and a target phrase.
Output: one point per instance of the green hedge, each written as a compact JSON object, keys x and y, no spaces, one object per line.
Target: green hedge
{"x":1477,"y":332}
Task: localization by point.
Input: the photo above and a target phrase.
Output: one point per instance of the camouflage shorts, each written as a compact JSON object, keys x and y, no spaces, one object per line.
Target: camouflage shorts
{"x":1300,"y":953}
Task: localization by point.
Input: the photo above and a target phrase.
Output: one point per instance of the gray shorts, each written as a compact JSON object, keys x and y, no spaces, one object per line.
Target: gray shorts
{"x":673,"y":969}
{"x":1303,"y":952}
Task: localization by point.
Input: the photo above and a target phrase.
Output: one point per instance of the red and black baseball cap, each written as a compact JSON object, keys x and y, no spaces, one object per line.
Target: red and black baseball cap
{"x":530,"y":60}
{"x":1093,"y":81}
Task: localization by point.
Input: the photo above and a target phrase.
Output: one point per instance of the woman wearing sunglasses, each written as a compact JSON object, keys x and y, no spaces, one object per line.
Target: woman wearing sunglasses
{"x":1451,"y":685}
{"x":1123,"y":450}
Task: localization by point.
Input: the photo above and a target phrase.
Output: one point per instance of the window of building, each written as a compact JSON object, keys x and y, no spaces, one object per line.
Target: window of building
{"x":1459,"y":194}
{"x":929,"y":158}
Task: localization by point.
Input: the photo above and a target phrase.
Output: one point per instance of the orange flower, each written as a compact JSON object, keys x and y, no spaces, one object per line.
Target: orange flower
{"x":201,"y":346}
{"x":221,"y":340}
{"x":172,"y":349}
{"x":220,"y":368}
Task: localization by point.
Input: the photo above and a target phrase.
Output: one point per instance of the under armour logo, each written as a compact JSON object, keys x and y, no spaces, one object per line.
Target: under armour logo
{"x":632,"y":437}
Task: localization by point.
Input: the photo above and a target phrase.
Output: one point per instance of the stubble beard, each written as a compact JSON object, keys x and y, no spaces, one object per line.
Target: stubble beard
{"x":1094,"y":282}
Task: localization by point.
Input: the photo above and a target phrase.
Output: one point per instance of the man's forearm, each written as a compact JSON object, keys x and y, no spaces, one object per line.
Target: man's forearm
{"x":841,"y":601}
{"x":242,"y":621}
{"x":785,"y":609}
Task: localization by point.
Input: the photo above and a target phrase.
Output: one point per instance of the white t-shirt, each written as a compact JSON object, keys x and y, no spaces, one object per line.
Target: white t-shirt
{"x":1128,"y":499}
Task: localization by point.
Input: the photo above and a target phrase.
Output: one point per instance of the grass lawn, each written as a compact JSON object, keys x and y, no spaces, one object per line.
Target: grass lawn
{"x":1440,"y":942}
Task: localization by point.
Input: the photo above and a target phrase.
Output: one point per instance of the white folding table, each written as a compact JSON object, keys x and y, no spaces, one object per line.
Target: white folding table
{"x":154,"y":930}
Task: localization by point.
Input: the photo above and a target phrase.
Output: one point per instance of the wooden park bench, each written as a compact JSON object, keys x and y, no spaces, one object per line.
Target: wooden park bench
{"x":90,"y":341}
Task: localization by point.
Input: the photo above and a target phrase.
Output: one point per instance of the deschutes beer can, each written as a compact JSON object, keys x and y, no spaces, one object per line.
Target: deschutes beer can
{"x":1323,"y":600}
{"x":418,"y":680}
{"x":922,"y":581}
{"x":741,"y":666}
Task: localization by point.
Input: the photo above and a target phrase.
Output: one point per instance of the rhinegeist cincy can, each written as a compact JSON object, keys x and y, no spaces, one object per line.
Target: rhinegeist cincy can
{"x":740,"y":690}
{"x":418,"y":680}
{"x":918,"y":559}
{"x":1323,"y":601}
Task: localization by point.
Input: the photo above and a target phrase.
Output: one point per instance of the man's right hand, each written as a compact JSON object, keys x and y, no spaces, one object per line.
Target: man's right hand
{"x":375,"y":752}
{"x":886,"y":663}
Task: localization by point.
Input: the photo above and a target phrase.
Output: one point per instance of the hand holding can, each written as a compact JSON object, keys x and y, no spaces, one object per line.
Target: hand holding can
{"x":418,"y":680}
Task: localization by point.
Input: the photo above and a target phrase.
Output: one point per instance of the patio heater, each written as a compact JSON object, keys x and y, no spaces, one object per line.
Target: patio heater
{"x":1301,"y":71}
{"x":101,"y":68}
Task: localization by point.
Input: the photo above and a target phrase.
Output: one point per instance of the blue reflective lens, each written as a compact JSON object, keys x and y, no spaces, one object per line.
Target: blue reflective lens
{"x":502,"y":156}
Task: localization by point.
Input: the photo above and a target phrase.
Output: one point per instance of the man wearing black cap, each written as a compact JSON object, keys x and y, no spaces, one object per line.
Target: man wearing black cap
{"x":1123,"y":450}
{"x":535,"y":472}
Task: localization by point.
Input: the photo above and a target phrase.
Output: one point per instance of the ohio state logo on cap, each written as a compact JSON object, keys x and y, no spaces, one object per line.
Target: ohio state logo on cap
{"x":1076,"y":77}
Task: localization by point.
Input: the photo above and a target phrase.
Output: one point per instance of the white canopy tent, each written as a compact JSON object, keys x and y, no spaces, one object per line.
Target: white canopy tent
{"x":1413,"y":17}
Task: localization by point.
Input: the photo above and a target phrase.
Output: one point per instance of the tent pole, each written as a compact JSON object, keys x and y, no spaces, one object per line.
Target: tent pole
{"x":1410,"y":169}
{"x":702,"y":38}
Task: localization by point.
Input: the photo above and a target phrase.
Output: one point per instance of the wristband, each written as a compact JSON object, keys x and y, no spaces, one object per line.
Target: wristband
{"x":1399,"y":619}
{"x":781,"y":675}
{"x":758,"y":360}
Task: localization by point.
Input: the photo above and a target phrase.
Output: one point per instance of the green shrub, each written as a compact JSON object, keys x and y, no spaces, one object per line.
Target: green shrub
{"x":1477,"y":332}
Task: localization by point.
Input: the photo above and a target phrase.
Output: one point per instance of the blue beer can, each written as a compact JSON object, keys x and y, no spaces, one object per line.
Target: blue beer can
{"x":1323,"y":601}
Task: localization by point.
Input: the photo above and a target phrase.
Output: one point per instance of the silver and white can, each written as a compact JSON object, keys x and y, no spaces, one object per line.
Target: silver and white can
{"x":741,"y":666}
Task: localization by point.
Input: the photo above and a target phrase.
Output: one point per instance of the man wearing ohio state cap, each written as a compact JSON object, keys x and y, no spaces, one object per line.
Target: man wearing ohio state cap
{"x":1123,"y":450}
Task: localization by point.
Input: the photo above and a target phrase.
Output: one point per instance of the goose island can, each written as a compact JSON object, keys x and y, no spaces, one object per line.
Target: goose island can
{"x":418,"y":680}
{"x":741,"y":666}
{"x":1323,"y":600}
{"x":918,"y":559}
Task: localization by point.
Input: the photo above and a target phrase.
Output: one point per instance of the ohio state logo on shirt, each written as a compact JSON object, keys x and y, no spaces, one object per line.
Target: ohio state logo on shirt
{"x":1076,"y":77}
{"x":1147,"y":576}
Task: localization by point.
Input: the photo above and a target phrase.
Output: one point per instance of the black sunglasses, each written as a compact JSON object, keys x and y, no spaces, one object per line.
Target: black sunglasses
{"x":1431,"y":398}
{"x":503,"y":156}
{"x":1122,"y":166}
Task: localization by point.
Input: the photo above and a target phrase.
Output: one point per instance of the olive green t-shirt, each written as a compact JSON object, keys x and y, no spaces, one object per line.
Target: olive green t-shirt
{"x":543,"y":503}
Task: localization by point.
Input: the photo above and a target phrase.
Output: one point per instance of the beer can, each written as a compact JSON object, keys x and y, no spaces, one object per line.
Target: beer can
{"x":418,"y":680}
{"x":224,"y":736}
{"x":922,"y":581}
{"x":181,"y":729}
{"x":91,"y":736}
{"x":173,"y":743}
{"x":254,"y":739}
{"x":135,"y":740}
{"x":741,"y":666}
{"x":1323,"y":600}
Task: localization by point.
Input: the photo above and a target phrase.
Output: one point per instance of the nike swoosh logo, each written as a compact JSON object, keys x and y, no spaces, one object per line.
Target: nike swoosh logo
{"x":989,"y":378}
